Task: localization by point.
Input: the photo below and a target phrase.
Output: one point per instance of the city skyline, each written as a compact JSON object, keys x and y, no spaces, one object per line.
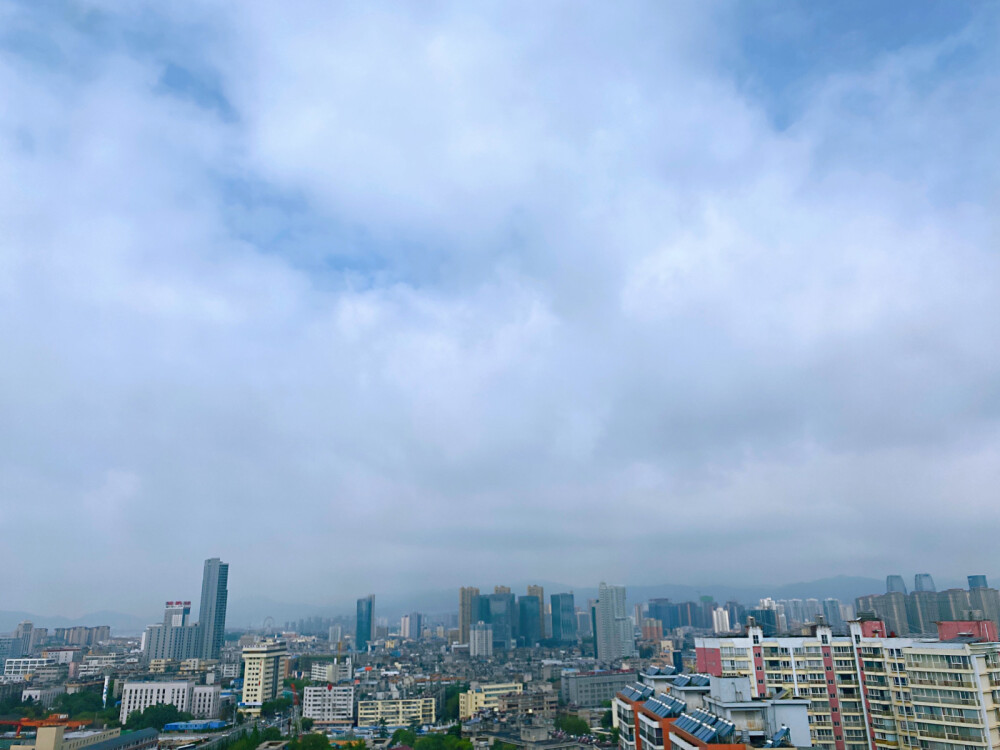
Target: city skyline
{"x":469,"y":293}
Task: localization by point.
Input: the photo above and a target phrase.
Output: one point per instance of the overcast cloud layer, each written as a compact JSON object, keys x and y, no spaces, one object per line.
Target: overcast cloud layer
{"x":363,"y":299}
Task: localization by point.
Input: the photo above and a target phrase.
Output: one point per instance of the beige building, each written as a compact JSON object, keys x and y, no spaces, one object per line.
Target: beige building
{"x":57,"y":738}
{"x":468,"y":611}
{"x":264,"y":666}
{"x":480,"y":697}
{"x":872,"y":691}
{"x":396,"y":712}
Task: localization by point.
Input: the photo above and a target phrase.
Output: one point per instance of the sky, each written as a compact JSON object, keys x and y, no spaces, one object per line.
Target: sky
{"x":371,"y":297}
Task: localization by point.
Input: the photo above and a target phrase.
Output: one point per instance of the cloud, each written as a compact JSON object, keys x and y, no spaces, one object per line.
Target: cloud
{"x":536,"y":291}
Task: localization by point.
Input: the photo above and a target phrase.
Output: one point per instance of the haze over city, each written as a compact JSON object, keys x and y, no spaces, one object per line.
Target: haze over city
{"x":400,"y":298}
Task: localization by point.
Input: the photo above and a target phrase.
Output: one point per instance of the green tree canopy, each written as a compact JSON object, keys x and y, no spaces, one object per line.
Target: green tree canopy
{"x":156,"y":717}
{"x":403,"y":737}
{"x":572,"y":724}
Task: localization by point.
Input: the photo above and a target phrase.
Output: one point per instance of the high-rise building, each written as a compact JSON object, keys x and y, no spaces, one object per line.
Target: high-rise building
{"x":894,"y":585}
{"x":720,"y":620}
{"x":468,"y":611}
{"x":539,"y":591}
{"x":614,"y":633}
{"x":175,"y":638}
{"x":890,"y":608}
{"x":831,"y":613}
{"x":264,"y":667}
{"x":212,"y":615}
{"x":930,"y":692}
{"x":481,"y":640}
{"x":366,"y":623}
{"x":923,"y":612}
{"x":923,"y":582}
{"x":977,"y":582}
{"x":412,"y":626}
{"x":499,"y":610}
{"x":336,"y":634}
{"x":563,"y":618}
{"x":529,"y":632}
{"x":501,"y":589}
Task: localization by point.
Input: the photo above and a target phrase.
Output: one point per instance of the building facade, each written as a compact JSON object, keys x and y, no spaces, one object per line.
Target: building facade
{"x":614,"y":634}
{"x":468,"y":611}
{"x":329,"y":705}
{"x":397,"y":712}
{"x":592,"y":689}
{"x":264,"y":666}
{"x":563,"y":618}
{"x":481,"y":641}
{"x":871,"y":691}
{"x":365,"y":632}
{"x":479,"y":697}
{"x":212,"y":615}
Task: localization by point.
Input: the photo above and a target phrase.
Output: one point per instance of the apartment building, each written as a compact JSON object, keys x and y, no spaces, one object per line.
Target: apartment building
{"x":396,"y":712}
{"x":479,"y":697}
{"x":202,"y":701}
{"x":870,"y":691}
{"x":329,"y":705}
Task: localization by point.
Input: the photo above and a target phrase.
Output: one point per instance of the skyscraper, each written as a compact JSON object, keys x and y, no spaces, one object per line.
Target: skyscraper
{"x":212,"y":615}
{"x":498,"y":610}
{"x":468,"y":611}
{"x":894,"y":584}
{"x":539,"y":591}
{"x":977,"y":582}
{"x":831,"y":613}
{"x":923,"y":582}
{"x":563,"y":618}
{"x":366,"y":623}
{"x":528,"y":624}
{"x":614,"y":634}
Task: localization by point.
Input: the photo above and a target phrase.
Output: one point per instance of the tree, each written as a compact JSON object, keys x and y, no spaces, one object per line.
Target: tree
{"x":451,"y":693}
{"x":383,"y":732}
{"x":156,"y":717}
{"x":272,"y":734}
{"x":572,"y":724}
{"x":307,"y":724}
{"x":403,"y":737}
{"x":310,"y":742}
{"x":607,"y":719}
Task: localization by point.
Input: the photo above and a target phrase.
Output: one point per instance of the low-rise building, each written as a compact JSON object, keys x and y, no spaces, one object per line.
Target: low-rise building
{"x":479,"y":697}
{"x":202,"y":701}
{"x":397,"y":712}
{"x":543,"y":703}
{"x":26,"y":665}
{"x":43,"y":696}
{"x":592,"y":689}
{"x":57,"y":738}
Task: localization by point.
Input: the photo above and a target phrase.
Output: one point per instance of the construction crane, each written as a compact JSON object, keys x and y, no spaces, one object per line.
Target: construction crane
{"x":52,"y":720}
